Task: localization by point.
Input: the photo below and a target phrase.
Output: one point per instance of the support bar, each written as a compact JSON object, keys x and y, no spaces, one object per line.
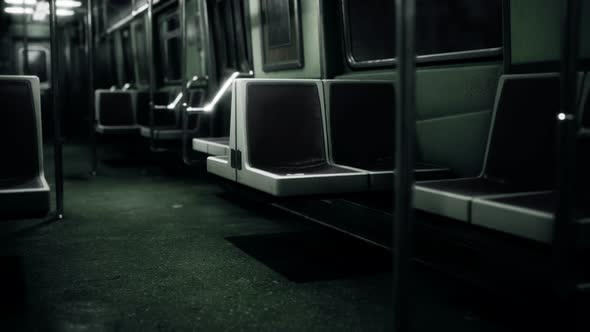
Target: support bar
{"x":57,"y":140}
{"x":564,"y":244}
{"x":404,"y":159}
{"x":91,"y":110}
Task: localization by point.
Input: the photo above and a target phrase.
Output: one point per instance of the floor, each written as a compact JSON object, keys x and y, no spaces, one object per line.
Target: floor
{"x":149,"y":245}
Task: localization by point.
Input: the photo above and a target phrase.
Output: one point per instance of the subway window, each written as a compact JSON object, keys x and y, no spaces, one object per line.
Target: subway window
{"x":445,"y":29}
{"x":37,"y":63}
{"x":141,"y":50}
{"x":127,"y":56}
{"x":117,"y":10}
{"x":170,"y":47}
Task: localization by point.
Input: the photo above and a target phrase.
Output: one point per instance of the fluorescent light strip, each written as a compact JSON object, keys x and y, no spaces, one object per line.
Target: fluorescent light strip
{"x":18,"y":10}
{"x":20,"y":2}
{"x":64,"y":12}
{"x":68,"y":3}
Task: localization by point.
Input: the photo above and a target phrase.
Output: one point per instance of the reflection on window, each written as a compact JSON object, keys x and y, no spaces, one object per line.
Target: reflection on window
{"x":442,"y":26}
{"x":171,"y":47}
{"x":127,"y":56}
{"x":142,"y":54}
{"x":117,"y":10}
{"x":37,"y":61}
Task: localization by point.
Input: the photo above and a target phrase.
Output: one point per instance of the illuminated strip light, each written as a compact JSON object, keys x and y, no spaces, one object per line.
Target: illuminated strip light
{"x":68,"y":3}
{"x":18,"y":10}
{"x":210,"y":106}
{"x":21,"y":2}
{"x":64,"y":12}
{"x":175,"y":102}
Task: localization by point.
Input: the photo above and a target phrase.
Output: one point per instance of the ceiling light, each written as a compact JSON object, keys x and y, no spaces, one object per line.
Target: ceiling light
{"x":68,"y":3}
{"x":39,"y":16}
{"x":18,"y":10}
{"x":20,"y":2}
{"x":64,"y":12}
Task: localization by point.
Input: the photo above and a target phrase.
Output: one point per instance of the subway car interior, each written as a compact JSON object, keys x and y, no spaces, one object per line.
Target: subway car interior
{"x":294,"y":165}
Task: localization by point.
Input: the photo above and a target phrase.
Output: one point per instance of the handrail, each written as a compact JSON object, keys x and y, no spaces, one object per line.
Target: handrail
{"x":222,"y":90}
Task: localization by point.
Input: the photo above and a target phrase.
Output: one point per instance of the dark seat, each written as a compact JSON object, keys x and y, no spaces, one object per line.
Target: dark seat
{"x":24,"y":192}
{"x":520,"y":150}
{"x":531,"y":215}
{"x":166,"y":122}
{"x":282,"y":140}
{"x":361,"y":122}
{"x":115,"y":111}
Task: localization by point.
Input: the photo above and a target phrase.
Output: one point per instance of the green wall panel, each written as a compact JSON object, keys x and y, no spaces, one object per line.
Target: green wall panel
{"x":457,"y":141}
{"x":310,"y":26}
{"x":453,"y":106}
{"x":455,"y":90}
{"x":535,"y":30}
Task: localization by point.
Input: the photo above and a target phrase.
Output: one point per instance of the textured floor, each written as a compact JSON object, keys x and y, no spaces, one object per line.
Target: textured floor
{"x":154,"y":247}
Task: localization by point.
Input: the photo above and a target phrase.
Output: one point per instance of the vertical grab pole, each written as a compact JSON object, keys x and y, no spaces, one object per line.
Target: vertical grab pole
{"x":184,"y":117}
{"x":150,"y":36}
{"x":91,"y":110}
{"x":404,"y":156}
{"x":563,"y":230}
{"x":25,"y":54}
{"x":57,"y":142}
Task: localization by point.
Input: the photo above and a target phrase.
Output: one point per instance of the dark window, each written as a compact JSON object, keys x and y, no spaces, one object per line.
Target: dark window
{"x":37,"y":61}
{"x":171,"y":47}
{"x":118,"y":10}
{"x":442,"y":27}
{"x":127,"y":56}
{"x":230,"y":36}
{"x":279,"y":17}
{"x":142,"y":54}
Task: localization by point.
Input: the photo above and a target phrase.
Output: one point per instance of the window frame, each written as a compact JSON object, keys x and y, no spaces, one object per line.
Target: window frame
{"x":134,"y":26}
{"x":163,"y":37}
{"x":426,"y":58}
{"x":21,"y":63}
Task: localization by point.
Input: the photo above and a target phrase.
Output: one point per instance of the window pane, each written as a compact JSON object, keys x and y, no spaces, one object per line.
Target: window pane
{"x":117,"y":10}
{"x":372,"y":29}
{"x":173,"y":46}
{"x":457,"y":25}
{"x":142,"y":55}
{"x":442,"y":26}
{"x":127,"y":56}
{"x":37,"y":61}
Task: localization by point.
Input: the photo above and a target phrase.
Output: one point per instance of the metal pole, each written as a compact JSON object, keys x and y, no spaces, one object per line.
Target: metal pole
{"x":185,"y":98}
{"x":563,"y":231}
{"x":404,"y":156}
{"x":57,"y":141}
{"x":91,"y":110}
{"x":25,"y":54}
{"x":152,"y":64}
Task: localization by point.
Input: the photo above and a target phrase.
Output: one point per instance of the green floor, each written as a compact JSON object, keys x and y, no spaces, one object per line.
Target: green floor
{"x":156,"y":247}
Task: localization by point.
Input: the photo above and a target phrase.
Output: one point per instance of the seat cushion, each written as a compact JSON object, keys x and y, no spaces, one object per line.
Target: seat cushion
{"x":452,"y":198}
{"x":214,"y":146}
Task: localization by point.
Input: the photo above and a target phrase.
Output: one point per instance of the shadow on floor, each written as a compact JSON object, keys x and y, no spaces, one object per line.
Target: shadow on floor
{"x":314,"y":255}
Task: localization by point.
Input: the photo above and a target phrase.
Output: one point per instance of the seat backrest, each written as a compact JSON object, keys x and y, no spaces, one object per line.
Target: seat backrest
{"x":20,"y":131}
{"x":284,"y":124}
{"x":115,"y":108}
{"x":521,"y":145}
{"x":161,"y":117}
{"x":362,"y":120}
